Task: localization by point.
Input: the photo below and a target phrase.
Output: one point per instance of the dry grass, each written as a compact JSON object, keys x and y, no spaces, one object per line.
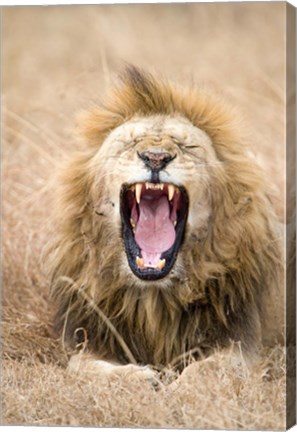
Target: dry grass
{"x":209,"y":395}
{"x":57,"y":60}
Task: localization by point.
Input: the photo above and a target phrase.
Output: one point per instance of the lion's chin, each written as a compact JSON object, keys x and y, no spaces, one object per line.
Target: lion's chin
{"x":153,"y":217}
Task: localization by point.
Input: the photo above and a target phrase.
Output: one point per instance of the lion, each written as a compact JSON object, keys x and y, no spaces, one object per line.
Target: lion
{"x":166,"y":245}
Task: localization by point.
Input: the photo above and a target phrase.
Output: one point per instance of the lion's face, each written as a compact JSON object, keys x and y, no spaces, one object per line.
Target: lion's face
{"x":157,"y":173}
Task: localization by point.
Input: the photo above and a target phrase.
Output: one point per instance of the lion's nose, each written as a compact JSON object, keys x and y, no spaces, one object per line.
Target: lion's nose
{"x":156,"y":161}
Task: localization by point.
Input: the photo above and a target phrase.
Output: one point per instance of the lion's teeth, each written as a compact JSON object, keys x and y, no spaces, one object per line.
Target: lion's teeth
{"x":161,"y":264}
{"x":138,"y":189}
{"x":171,"y":190}
{"x":133,"y":224}
{"x":140,"y":262}
{"x":154,"y":186}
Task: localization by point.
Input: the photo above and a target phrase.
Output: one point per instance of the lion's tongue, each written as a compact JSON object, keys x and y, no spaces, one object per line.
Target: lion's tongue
{"x":154,"y":232}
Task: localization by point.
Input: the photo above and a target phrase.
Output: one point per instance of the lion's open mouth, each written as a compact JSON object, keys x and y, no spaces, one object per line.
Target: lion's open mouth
{"x":153,"y":221}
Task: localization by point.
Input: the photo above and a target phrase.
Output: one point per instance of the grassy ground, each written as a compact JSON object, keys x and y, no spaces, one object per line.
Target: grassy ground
{"x":57,"y":60}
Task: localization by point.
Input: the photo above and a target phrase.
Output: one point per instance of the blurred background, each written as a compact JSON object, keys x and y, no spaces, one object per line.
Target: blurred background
{"x":58,"y":60}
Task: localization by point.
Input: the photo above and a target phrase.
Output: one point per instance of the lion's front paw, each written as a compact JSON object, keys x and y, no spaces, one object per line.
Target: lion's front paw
{"x":141,"y":373}
{"x":86,"y":364}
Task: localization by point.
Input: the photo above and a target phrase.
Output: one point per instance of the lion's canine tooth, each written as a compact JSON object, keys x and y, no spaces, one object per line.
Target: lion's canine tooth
{"x":140,"y":262}
{"x":161,"y":264}
{"x":171,"y":190}
{"x":138,"y":189}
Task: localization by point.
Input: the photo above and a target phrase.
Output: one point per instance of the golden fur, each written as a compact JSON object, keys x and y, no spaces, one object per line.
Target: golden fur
{"x":230,"y":258}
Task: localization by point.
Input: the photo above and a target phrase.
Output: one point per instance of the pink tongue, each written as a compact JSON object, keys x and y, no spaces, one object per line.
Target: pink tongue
{"x":154,"y":232}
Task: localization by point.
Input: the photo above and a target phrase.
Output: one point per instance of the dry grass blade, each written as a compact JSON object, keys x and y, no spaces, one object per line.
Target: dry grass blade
{"x":103,"y":317}
{"x":35,"y":147}
{"x":51,"y":137}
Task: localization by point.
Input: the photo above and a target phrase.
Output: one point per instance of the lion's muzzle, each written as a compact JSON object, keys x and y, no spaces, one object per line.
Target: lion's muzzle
{"x":156,"y":161}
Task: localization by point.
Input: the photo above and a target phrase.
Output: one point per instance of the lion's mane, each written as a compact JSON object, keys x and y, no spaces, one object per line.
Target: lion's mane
{"x":217,"y":295}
